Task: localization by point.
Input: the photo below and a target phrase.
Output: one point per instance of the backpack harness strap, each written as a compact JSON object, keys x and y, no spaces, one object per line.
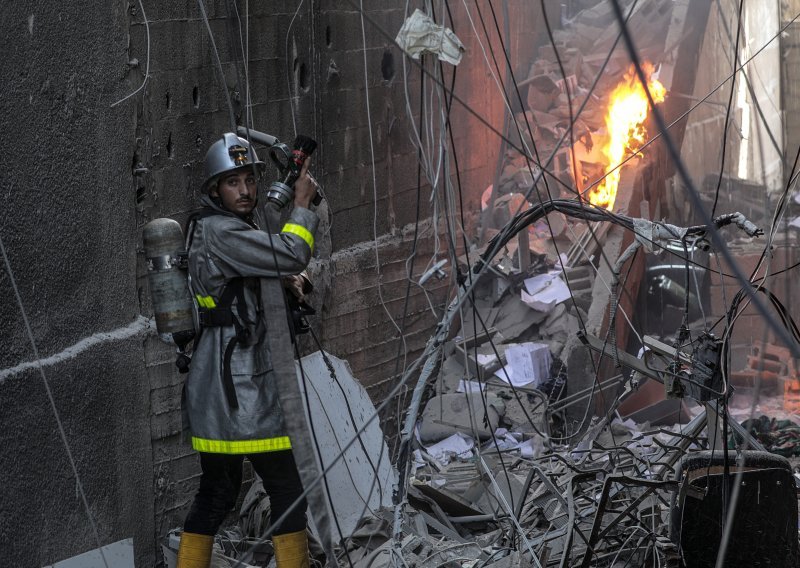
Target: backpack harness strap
{"x":221,"y":314}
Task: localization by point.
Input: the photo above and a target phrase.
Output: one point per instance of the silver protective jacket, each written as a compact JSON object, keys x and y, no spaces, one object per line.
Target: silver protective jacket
{"x":225,"y":247}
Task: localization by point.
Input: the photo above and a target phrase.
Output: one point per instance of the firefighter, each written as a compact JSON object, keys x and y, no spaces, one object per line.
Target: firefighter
{"x":229,"y":399}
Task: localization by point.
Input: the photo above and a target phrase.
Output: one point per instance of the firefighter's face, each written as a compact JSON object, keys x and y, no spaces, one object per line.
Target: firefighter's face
{"x":237,"y":191}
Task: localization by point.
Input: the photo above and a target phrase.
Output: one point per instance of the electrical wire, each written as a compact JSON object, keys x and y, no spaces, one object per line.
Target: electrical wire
{"x":391,"y":39}
{"x":147,"y":64}
{"x":413,"y":366}
{"x":349,"y":408}
{"x":375,"y":468}
{"x":535,"y":149}
{"x":734,"y":310}
{"x":476,"y":315}
{"x":242,"y":55}
{"x":746,"y":77}
{"x":223,"y":85}
{"x":611,"y":330}
{"x":572,"y":122}
{"x":728,"y":109}
{"x":746,"y":286}
{"x":289,"y":67}
{"x":61,"y":432}
{"x":698,"y":102}
{"x":316,"y":445}
{"x":401,"y":354}
{"x":374,"y":179}
{"x":507,"y":107}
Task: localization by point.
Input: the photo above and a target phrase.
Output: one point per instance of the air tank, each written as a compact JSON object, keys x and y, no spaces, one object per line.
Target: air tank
{"x":168,"y":279}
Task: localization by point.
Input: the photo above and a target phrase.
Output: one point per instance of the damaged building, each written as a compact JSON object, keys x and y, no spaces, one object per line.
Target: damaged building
{"x":552,"y":320}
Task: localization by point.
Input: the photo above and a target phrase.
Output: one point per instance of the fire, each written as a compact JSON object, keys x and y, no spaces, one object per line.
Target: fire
{"x":627,"y":112}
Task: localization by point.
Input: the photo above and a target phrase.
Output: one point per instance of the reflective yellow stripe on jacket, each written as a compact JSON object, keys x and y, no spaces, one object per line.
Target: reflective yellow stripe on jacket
{"x":205,"y":301}
{"x":241,"y":446}
{"x":301,"y":232}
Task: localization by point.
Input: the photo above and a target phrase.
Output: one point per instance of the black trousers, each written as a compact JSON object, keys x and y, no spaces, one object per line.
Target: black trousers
{"x":222,"y":479}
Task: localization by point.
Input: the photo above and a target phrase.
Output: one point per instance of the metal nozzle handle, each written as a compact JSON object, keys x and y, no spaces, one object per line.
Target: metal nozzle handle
{"x":257,"y":136}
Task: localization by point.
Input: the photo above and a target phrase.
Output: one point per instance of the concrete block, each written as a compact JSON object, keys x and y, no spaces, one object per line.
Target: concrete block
{"x":447,"y":414}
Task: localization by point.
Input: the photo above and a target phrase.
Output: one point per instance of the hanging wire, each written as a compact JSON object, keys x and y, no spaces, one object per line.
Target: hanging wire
{"x":289,"y":67}
{"x":719,"y":244}
{"x":374,"y":180}
{"x":61,"y":432}
{"x":549,"y":194}
{"x":728,"y":108}
{"x":329,"y":551}
{"x":222,"y":83}
{"x":147,"y":64}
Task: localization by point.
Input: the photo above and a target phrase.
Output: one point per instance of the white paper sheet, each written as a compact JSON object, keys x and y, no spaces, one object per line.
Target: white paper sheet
{"x":420,"y":34}
{"x":544,"y":291}
{"x":456,"y":445}
{"x":470,"y":386}
{"x":526,"y":363}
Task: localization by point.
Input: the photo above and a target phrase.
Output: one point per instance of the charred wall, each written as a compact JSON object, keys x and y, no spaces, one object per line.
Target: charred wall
{"x":356,"y":322}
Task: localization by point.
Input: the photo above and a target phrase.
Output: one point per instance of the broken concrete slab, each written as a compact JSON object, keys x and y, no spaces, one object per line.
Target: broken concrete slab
{"x":340,"y":407}
{"x":118,"y":554}
{"x":514,"y":318}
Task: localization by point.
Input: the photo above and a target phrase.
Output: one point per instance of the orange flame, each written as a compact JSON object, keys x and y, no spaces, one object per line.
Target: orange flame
{"x":627,"y":112}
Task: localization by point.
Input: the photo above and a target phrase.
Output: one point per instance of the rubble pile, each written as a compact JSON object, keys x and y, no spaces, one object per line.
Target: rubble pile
{"x":606,"y":500}
{"x":490,"y":473}
{"x":497,"y":482}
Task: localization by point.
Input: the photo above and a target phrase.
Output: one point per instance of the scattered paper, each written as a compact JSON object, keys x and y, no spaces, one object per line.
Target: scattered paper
{"x":544,"y":291}
{"x":526,"y":363}
{"x":531,"y":448}
{"x":484,"y":360}
{"x":457,"y":445}
{"x":420,"y":34}
{"x":505,"y":440}
{"x":509,"y":441}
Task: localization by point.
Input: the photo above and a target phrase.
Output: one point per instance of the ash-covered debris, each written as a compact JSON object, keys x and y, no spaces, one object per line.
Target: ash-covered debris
{"x":496,"y":481}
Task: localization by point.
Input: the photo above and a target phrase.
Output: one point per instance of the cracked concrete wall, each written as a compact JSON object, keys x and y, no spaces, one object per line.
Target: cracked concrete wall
{"x":68,"y":226}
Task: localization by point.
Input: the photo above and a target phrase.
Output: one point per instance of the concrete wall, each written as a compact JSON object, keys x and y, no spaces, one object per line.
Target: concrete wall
{"x":81,"y":178}
{"x":755,"y":134}
{"x":358,"y":327}
{"x":68,"y":224}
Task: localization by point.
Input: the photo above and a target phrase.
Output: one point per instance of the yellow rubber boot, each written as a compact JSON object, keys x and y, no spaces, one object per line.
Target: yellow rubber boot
{"x":291,"y":550}
{"x":195,"y":550}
